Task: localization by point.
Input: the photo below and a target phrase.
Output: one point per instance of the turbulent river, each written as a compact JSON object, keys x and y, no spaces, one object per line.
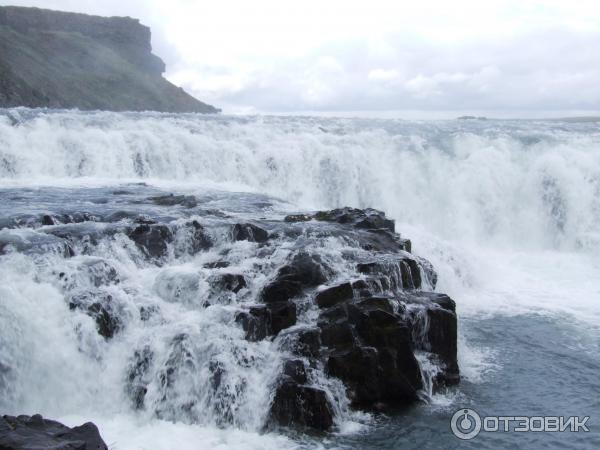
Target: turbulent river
{"x":508,"y":212}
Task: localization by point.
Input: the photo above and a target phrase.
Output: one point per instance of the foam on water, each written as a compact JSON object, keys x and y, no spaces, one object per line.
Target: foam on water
{"x":128,"y":432}
{"x":532,"y":184}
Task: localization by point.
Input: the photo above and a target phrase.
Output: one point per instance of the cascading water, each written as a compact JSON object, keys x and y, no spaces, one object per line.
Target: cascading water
{"x":508,"y":212}
{"x":516,"y":183}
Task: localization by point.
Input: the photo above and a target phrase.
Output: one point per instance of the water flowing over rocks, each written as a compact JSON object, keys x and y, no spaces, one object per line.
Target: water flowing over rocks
{"x":233,"y":314}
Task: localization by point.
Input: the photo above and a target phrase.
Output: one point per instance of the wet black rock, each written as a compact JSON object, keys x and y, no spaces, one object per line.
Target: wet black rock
{"x":359,"y":218}
{"x":152,"y":240}
{"x":297,"y":218}
{"x":216,"y":265}
{"x":195,"y":237}
{"x":333,"y":295}
{"x":228,"y":281}
{"x":304,"y":342}
{"x":66,"y":218}
{"x":48,"y":220}
{"x":383,"y":240}
{"x":283,"y":315}
{"x":294,"y":368}
{"x":403,"y":273}
{"x":100,"y":306}
{"x":301,"y":406}
{"x":249,"y":232}
{"x":371,"y":349}
{"x":262,"y":321}
{"x":435,"y":331}
{"x":337,"y":334}
{"x":348,"y":301}
{"x":35,"y":432}
{"x":303,"y":271}
{"x":256,"y":322}
{"x":188,"y":201}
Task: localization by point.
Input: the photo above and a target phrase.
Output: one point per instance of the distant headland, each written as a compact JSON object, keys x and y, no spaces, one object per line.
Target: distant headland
{"x":54,"y":59}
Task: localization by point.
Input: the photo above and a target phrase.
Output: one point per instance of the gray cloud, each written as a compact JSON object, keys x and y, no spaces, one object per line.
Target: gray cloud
{"x":551,"y":69}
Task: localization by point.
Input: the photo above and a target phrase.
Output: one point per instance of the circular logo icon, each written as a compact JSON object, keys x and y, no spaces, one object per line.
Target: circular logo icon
{"x":465,"y":424}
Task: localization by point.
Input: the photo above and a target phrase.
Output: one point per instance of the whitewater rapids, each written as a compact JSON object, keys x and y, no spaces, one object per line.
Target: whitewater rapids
{"x":507,"y":211}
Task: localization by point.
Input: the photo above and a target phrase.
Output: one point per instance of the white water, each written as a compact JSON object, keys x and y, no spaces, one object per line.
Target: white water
{"x":508,"y":213}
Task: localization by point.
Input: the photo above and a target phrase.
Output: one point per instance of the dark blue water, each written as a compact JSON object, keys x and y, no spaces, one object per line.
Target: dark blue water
{"x":545,"y":366}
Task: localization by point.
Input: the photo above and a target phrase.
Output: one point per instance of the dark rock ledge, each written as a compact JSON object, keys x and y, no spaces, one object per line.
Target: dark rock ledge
{"x":37,"y":433}
{"x":56,"y":59}
{"x":375,"y":319}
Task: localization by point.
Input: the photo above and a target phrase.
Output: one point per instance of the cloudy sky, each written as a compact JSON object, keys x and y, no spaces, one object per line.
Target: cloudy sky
{"x":523,"y":57}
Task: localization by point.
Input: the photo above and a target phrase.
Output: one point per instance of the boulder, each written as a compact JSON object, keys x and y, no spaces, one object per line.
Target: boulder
{"x":299,"y":405}
{"x":249,"y":232}
{"x":435,"y":331}
{"x":47,"y":219}
{"x":152,"y":240}
{"x":370,"y":348}
{"x":359,"y":218}
{"x":231,"y":282}
{"x":195,"y":238}
{"x":256,"y":322}
{"x":294,"y":368}
{"x":283,"y":315}
{"x":303,"y":271}
{"x":305,"y":342}
{"x":188,"y":201}
{"x":262,"y":321}
{"x":333,"y":295}
{"x":35,"y":432}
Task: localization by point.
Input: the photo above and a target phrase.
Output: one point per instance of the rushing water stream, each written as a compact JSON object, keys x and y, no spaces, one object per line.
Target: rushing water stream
{"x":508,"y":212}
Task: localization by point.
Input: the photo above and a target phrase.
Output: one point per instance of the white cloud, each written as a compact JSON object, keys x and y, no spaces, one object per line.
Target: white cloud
{"x":271,"y":55}
{"x":383,"y":75}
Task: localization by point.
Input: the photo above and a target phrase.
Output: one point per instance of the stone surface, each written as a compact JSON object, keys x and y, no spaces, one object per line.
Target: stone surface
{"x":303,"y":271}
{"x":249,"y":232}
{"x":229,"y":282}
{"x":333,"y":295}
{"x":301,"y":406}
{"x":152,"y":240}
{"x":188,"y":201}
{"x":36,"y":433}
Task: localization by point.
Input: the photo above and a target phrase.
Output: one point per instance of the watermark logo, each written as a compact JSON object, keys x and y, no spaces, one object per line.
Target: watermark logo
{"x":467,"y":423}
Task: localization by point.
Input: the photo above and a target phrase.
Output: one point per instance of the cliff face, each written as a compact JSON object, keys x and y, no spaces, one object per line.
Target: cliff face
{"x":67,"y":60}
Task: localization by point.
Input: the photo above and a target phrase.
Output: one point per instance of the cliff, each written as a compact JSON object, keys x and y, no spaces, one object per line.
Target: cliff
{"x":66,"y":60}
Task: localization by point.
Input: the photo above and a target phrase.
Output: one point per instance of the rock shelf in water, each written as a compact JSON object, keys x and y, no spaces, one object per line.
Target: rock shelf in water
{"x":338,"y":296}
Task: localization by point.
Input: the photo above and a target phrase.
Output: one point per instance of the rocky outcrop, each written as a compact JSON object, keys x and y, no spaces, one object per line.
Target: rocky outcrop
{"x":58,"y":59}
{"x":35,"y":432}
{"x":338,"y":293}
